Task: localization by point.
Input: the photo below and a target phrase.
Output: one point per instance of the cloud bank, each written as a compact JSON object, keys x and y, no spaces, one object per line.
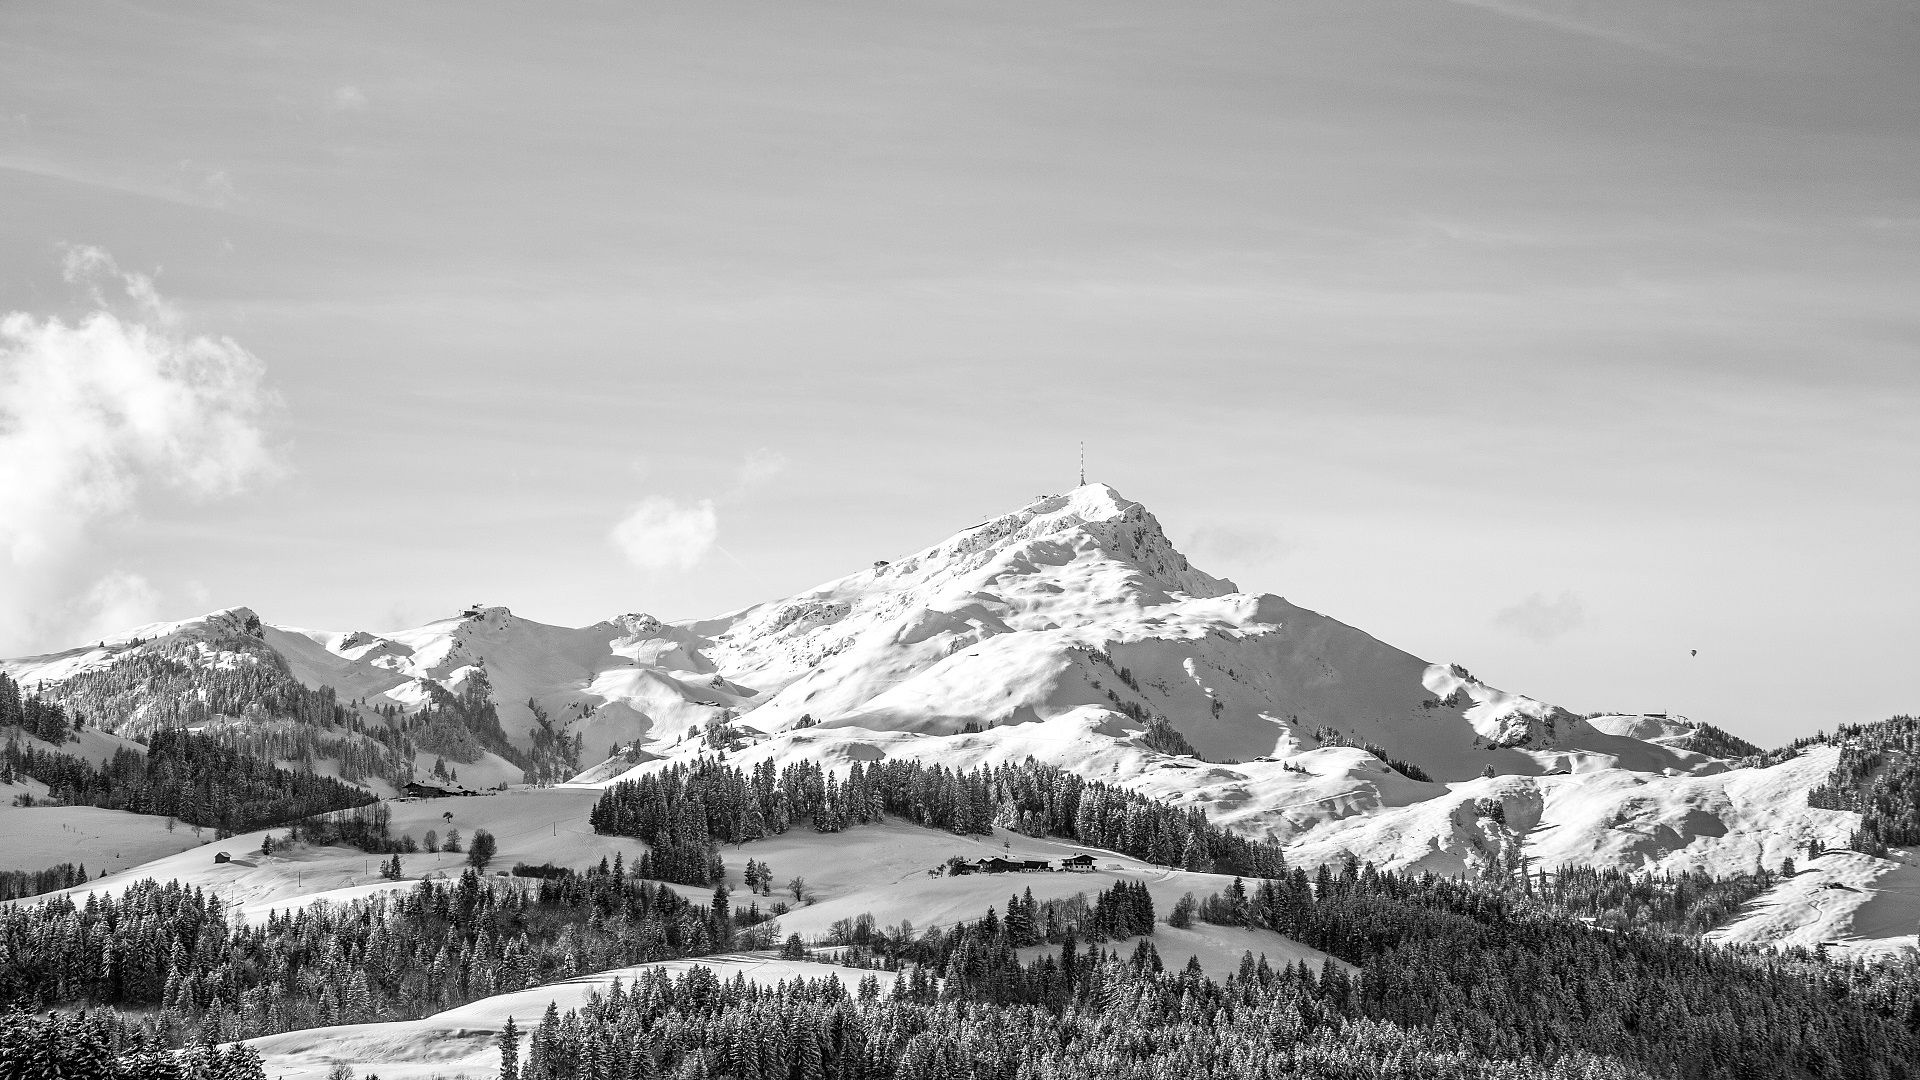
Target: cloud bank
{"x":660,"y":534}
{"x":1539,"y":619}
{"x":758,"y":468}
{"x":99,"y":418}
{"x":1240,"y":545}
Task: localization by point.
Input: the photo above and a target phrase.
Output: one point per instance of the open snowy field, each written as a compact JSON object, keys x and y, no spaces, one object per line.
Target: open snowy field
{"x":1849,"y":901}
{"x":37,"y":837}
{"x":536,"y":825}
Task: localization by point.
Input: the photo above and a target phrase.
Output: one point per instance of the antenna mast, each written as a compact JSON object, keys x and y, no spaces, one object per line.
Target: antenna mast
{"x":1083,"y":463}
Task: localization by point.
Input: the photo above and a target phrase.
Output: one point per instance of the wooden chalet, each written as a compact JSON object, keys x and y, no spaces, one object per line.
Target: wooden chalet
{"x":1002,"y":865}
{"x":417,"y":790}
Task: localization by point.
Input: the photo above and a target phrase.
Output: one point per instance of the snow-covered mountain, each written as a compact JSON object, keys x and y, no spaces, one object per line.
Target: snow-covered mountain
{"x":1072,"y":631}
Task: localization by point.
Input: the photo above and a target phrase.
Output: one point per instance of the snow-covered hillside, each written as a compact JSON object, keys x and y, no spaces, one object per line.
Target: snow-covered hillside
{"x":1074,"y":603}
{"x":1072,"y":631}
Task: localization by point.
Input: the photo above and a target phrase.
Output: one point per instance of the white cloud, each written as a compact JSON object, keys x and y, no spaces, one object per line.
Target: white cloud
{"x":665,"y":534}
{"x":102,"y":416}
{"x":349,"y":99}
{"x":1540,"y":619}
{"x":660,"y":534}
{"x":203,"y":185}
{"x":1234,"y":544}
{"x":757,"y":468}
{"x":116,"y":603}
{"x":218,"y":187}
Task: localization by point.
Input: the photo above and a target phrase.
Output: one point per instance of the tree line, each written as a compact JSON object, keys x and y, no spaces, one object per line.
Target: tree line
{"x":1878,"y":776}
{"x":192,"y":777}
{"x":684,"y":812}
{"x":34,"y":714}
{"x":17,"y":883}
{"x":171,"y":952}
{"x":96,"y":1046}
{"x":1106,"y":1016}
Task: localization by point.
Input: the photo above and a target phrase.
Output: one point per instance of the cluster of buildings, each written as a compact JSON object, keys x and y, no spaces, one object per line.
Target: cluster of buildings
{"x":1002,"y":865}
{"x":416,"y":790}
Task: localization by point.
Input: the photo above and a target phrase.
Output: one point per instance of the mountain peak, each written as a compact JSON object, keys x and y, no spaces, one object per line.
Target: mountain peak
{"x":1088,"y":502}
{"x":490,"y":613}
{"x":1126,"y":530}
{"x":1051,"y":527}
{"x":223,"y":622}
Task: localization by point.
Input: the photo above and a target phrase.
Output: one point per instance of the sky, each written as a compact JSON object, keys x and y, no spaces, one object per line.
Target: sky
{"x":1559,"y":339}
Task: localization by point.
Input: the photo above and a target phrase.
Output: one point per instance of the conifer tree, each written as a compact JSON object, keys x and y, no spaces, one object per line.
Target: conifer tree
{"x":509,"y":1044}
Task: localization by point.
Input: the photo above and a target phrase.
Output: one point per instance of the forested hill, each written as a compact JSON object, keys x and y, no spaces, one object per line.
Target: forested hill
{"x":1455,"y":980}
{"x":223,"y":675}
{"x":1878,"y":777}
{"x":171,"y":682}
{"x":194,"y":778}
{"x":35,"y":715}
{"x":685,"y":812}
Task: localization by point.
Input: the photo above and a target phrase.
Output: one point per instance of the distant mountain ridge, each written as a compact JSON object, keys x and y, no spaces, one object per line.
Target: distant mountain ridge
{"x":1072,"y":631}
{"x":1012,"y":620}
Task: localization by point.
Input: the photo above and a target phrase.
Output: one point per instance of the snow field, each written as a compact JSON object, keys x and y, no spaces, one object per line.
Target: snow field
{"x":103,"y":841}
{"x":1845,"y":900}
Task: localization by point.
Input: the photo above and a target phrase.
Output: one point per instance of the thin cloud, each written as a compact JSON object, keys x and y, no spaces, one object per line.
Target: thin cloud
{"x":207,"y":185}
{"x":660,"y":534}
{"x":1557,"y":17}
{"x":759,"y":467}
{"x":99,"y":418}
{"x":349,"y":99}
{"x":1543,"y":620}
{"x":185,"y":191}
{"x":218,"y":186}
{"x":1239,"y":545}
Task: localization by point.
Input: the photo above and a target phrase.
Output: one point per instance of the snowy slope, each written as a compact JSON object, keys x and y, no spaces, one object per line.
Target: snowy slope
{"x":1850,"y":901}
{"x":102,"y":841}
{"x":530,"y":825}
{"x":1724,"y":822}
{"x":1068,"y":631}
{"x":1076,"y":600}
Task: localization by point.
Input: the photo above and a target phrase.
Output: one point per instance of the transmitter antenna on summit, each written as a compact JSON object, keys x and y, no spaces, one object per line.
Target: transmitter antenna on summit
{"x":1083,"y":463}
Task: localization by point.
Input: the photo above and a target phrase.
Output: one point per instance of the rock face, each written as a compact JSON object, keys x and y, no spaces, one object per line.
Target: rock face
{"x":1070,"y":630}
